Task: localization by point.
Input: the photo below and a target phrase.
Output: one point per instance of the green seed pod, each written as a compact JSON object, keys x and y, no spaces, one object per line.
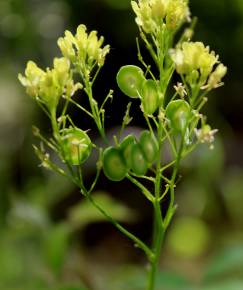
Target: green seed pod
{"x":114,"y":165}
{"x":129,"y":79}
{"x":138,"y":161}
{"x":178,"y":113}
{"x":149,"y":146}
{"x":76,"y":145}
{"x":150,"y":97}
{"x":126,"y":149}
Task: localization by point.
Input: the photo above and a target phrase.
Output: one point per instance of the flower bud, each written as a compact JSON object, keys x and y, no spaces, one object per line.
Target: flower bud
{"x":66,"y":46}
{"x":216,"y":76}
{"x":158,"y":9}
{"x":81,"y":38}
{"x":177,"y":12}
{"x":83,"y":49}
{"x":144,"y":17}
{"x":62,"y":70}
{"x":50,"y":91}
{"x":33,"y":75}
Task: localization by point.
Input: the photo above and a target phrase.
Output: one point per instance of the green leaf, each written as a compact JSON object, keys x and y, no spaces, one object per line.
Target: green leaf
{"x":72,"y":288}
{"x":55,"y":246}
{"x":188,"y":238}
{"x":227,"y":262}
{"x":172,"y":281}
{"x":232,"y":188}
{"x":225,"y":285}
{"x":133,"y":278}
{"x":84,"y":213}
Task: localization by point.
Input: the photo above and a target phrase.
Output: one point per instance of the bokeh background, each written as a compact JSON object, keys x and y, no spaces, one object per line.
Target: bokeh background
{"x":50,"y":238}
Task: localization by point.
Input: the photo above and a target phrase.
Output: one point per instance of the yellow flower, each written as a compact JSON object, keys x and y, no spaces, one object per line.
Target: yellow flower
{"x":83,"y":49}
{"x":33,"y":75}
{"x":177,"y":12}
{"x":158,"y":8}
{"x":151,"y":14}
{"x":194,"y":56}
{"x":215,"y":78}
{"x":197,"y":63}
{"x":48,"y":86}
{"x":144,"y":17}
{"x":62,"y":70}
{"x":66,"y":45}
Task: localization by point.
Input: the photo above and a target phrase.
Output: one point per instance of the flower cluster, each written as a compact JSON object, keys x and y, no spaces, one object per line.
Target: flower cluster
{"x":196,"y":62}
{"x":83,"y":49}
{"x":151,"y":14}
{"x":48,"y":86}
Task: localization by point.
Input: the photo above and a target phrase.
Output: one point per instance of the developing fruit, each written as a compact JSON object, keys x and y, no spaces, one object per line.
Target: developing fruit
{"x":149,"y":146}
{"x":129,"y":79}
{"x":150,"y":97}
{"x":76,"y":145}
{"x":138,"y":163}
{"x":114,"y":165}
{"x":178,"y":113}
{"x":126,"y":149}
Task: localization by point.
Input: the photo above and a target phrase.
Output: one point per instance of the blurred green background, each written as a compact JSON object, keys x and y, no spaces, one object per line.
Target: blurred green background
{"x":50,"y":238}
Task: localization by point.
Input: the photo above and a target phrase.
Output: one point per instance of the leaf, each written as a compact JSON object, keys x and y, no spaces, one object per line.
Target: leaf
{"x":225,"y":285}
{"x":209,"y":163}
{"x":72,"y":288}
{"x":232,"y":189}
{"x":172,"y":281}
{"x":133,"y":278}
{"x":27,"y":217}
{"x":188,"y":238}
{"x":55,"y":246}
{"x":85,"y":213}
{"x":228,"y":261}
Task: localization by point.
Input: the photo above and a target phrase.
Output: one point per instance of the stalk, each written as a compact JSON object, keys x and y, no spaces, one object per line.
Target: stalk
{"x":158,"y":231}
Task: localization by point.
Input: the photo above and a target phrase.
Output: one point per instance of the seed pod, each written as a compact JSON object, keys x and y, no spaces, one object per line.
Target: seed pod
{"x":114,"y":165}
{"x":178,"y":113}
{"x":76,"y":145}
{"x":129,"y":79}
{"x":150,"y":97}
{"x":149,"y":146}
{"x":138,"y":161}
{"x":126,"y":149}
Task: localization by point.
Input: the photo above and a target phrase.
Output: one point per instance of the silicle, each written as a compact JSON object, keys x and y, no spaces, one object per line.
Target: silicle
{"x":114,"y":165}
{"x":130,"y":79}
{"x":178,"y":113}
{"x":149,"y":146}
{"x":76,"y":145}
{"x":126,"y":149}
{"x":150,"y":97}
{"x":138,"y":161}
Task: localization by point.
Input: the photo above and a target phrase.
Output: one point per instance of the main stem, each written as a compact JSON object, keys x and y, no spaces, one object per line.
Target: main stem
{"x":158,"y":239}
{"x":158,"y":231}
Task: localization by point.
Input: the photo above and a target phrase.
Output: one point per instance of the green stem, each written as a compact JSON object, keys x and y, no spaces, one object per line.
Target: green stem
{"x":143,"y":189}
{"x":158,"y":239}
{"x":57,"y":137}
{"x":158,"y":232}
{"x":132,"y":237}
{"x":171,"y":208}
{"x":95,"y":109}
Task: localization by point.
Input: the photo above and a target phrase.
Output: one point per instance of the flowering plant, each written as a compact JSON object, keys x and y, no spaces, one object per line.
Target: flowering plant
{"x":174,"y":120}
